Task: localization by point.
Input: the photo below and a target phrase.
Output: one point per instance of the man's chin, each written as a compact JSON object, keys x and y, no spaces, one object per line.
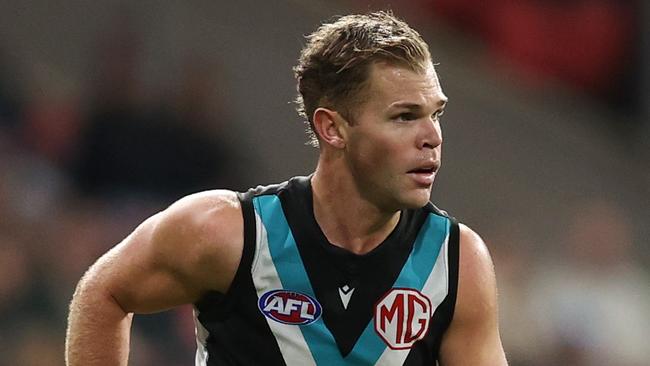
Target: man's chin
{"x":417,"y":200}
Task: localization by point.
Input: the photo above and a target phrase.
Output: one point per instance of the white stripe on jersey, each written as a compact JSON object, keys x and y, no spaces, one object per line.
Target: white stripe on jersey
{"x":293,"y":345}
{"x":201,"y":358}
{"x":435,"y":288}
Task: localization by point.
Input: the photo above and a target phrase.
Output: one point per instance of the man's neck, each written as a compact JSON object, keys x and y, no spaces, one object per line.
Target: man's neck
{"x":347,"y":219}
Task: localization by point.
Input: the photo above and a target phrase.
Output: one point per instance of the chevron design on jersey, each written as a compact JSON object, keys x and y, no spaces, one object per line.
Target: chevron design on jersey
{"x":278,"y":265}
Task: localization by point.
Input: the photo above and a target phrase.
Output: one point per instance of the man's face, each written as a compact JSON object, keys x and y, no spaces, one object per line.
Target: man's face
{"x":394,"y":143}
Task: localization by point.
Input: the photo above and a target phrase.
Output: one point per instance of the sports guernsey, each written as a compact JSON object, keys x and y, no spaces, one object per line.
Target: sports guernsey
{"x":296,"y":299}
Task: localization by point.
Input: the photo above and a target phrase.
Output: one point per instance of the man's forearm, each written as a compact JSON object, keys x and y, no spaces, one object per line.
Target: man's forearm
{"x":98,"y":329}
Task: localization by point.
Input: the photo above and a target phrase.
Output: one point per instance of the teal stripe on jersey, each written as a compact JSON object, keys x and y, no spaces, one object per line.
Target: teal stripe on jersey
{"x":414,"y":274}
{"x":422,"y":258}
{"x":293,"y":276}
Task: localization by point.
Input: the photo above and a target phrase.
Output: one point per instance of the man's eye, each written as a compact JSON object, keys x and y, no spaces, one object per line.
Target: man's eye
{"x":436,"y":116}
{"x":406,"y":117}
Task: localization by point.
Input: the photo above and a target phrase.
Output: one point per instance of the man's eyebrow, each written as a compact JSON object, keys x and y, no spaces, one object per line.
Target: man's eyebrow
{"x":415,"y":106}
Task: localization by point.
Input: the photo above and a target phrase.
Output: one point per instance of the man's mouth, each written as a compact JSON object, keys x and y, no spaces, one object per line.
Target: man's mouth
{"x":423,"y":170}
{"x":425,"y":174}
{"x":429,"y":167}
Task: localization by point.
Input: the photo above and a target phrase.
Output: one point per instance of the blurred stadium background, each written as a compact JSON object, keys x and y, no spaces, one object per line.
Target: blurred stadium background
{"x":111,"y":110}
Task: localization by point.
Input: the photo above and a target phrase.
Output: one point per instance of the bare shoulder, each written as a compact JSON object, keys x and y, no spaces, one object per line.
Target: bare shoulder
{"x":204,"y":232}
{"x":473,"y":335}
{"x":206,"y":216}
{"x":476,"y":270}
{"x":175,"y":256}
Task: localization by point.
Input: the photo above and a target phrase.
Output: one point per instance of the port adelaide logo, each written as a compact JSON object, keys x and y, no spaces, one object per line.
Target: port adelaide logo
{"x":402,"y":317}
{"x":289,"y":307}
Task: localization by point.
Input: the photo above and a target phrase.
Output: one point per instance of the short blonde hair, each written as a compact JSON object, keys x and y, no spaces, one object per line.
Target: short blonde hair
{"x":334,"y":65}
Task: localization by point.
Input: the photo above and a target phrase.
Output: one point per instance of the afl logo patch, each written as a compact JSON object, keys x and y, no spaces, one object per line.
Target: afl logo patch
{"x":289,"y":307}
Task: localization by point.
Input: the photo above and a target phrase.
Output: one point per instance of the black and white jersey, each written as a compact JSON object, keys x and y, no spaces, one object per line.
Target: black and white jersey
{"x":299,"y":300}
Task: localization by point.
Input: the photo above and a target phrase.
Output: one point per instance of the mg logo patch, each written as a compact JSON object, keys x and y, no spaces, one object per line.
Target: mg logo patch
{"x":402,"y":317}
{"x":289,"y":307}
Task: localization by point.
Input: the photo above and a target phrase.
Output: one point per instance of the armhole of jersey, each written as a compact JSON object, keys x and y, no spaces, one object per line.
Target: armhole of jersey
{"x":453,"y":258}
{"x":248,"y":252}
{"x":445,"y":312}
{"x":215,"y":304}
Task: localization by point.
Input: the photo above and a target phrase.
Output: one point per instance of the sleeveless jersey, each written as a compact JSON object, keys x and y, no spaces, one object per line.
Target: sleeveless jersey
{"x":296,"y":299}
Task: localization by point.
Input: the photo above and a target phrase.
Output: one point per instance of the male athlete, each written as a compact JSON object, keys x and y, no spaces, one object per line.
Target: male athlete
{"x":349,"y":266}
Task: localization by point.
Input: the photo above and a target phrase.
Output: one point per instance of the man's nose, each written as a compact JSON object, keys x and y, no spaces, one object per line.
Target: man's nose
{"x":430,"y":134}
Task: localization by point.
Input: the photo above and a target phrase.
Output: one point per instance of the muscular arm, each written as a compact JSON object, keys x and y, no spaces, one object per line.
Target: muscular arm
{"x":170,"y":259}
{"x":473,"y":336}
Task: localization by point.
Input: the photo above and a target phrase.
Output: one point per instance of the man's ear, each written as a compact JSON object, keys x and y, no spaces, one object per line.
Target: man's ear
{"x":330,"y":127}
